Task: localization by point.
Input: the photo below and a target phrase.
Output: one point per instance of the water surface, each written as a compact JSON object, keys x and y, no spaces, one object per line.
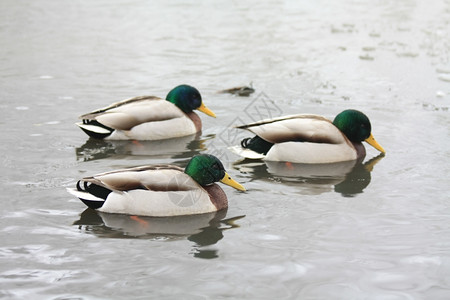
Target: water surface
{"x":375,"y":229}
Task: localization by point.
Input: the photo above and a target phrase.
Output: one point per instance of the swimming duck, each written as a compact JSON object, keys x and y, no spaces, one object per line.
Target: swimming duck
{"x":148,"y":117}
{"x":309,"y":138}
{"x":159,"y":190}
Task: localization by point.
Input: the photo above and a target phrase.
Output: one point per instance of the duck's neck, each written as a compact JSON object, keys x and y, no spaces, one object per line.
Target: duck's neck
{"x":217,"y":196}
{"x":360,"y":150}
{"x":196,"y":120}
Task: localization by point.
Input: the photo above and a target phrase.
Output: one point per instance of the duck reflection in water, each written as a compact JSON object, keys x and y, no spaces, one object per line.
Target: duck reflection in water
{"x":184,"y":147}
{"x":203,"y":230}
{"x":348,"y":178}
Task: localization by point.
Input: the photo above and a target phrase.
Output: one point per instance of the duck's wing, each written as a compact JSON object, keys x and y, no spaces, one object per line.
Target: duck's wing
{"x":93,"y":114}
{"x":301,"y":128}
{"x":126,"y":114}
{"x":154,"y":178}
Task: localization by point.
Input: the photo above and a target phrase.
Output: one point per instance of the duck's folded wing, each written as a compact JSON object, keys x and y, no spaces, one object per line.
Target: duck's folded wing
{"x":302,"y":128}
{"x":91,"y":115}
{"x":126,"y":114}
{"x":155,"y":178}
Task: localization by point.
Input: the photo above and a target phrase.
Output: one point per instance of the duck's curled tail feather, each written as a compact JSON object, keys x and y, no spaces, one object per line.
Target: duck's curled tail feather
{"x":256,"y":144}
{"x":91,"y":194}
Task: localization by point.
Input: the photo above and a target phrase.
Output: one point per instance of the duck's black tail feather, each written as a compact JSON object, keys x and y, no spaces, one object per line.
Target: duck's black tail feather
{"x":256,"y":144}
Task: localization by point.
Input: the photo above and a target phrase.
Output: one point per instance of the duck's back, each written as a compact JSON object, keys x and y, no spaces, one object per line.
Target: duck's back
{"x":129,"y":113}
{"x":307,"y":128}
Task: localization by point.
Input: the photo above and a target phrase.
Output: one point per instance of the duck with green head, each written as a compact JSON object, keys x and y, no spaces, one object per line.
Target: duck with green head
{"x":159,"y":190}
{"x":148,"y":117}
{"x":309,"y":138}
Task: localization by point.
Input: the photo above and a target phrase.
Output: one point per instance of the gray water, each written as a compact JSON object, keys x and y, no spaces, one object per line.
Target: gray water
{"x":377,"y":229}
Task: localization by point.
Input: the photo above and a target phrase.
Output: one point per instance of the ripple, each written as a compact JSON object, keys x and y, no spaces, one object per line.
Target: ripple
{"x":366,"y":57}
{"x":39,"y":253}
{"x":270,"y":237}
{"x":444,"y":77}
{"x":443,"y":70}
{"x":440,"y":94}
{"x":423,"y":260}
{"x":52,"y":122}
{"x":407,"y":54}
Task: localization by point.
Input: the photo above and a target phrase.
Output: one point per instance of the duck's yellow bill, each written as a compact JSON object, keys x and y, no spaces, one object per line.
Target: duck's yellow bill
{"x":231,"y":182}
{"x":206,"y":110}
{"x":372,"y":142}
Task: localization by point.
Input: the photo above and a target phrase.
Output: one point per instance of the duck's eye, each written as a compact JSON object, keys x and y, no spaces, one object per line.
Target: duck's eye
{"x":216,"y":166}
{"x":196,"y":102}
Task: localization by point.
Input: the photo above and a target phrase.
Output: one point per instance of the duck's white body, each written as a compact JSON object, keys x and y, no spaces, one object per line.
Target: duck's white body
{"x":141,"y":118}
{"x":301,"y":139}
{"x":151,"y":191}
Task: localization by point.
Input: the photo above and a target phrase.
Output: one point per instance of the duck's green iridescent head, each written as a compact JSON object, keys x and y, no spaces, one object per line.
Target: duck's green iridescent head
{"x":354,"y":124}
{"x":356,"y":127}
{"x":188,"y":98}
{"x":207,"y":169}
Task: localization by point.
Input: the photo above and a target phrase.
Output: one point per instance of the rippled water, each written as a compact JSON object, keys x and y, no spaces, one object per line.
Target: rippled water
{"x":376,"y":229}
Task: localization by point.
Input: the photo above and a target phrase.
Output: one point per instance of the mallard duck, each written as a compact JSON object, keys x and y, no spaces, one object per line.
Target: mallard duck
{"x":148,"y":117}
{"x":159,"y":190}
{"x":309,"y":138}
